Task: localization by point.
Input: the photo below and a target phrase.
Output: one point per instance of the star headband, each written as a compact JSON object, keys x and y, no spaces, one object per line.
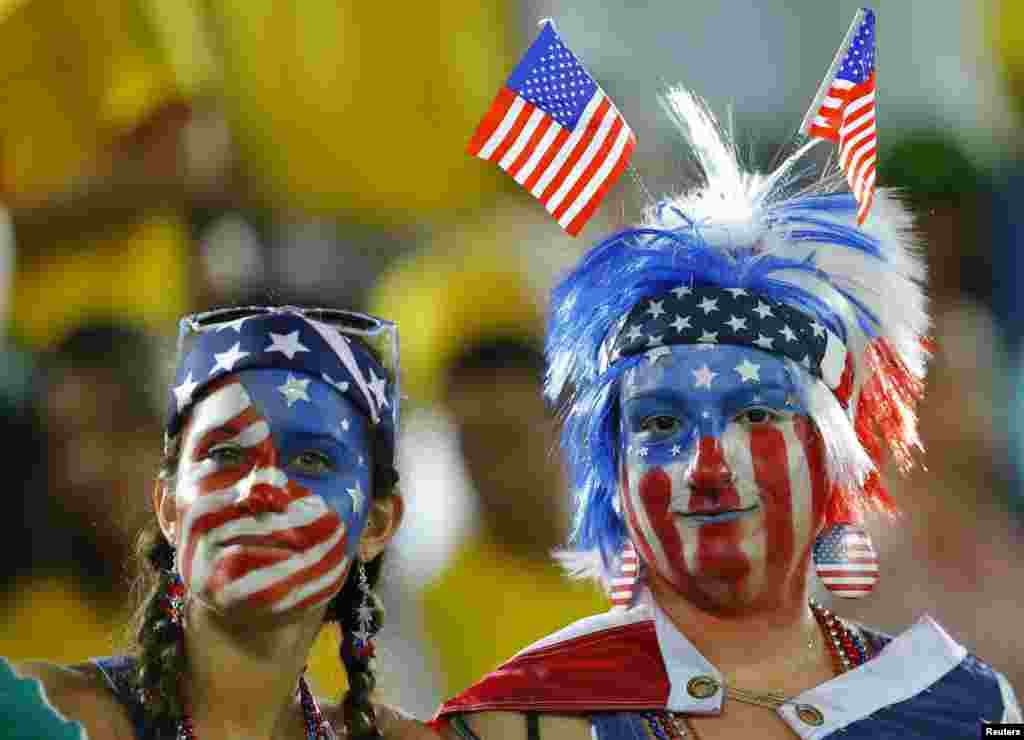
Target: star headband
{"x":316,"y":342}
{"x":709,"y":314}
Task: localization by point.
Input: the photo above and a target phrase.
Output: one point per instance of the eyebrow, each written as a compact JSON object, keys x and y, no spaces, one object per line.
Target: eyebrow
{"x":231,"y":428}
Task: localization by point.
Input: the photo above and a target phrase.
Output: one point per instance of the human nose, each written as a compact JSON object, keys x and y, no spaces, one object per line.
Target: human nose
{"x":264,"y":490}
{"x":709,"y":470}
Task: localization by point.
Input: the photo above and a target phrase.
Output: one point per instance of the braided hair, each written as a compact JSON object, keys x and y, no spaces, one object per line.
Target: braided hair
{"x":159,"y":641}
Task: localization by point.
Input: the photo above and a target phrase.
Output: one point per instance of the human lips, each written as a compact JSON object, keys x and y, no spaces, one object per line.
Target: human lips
{"x":296,"y":538}
{"x":717,"y":515}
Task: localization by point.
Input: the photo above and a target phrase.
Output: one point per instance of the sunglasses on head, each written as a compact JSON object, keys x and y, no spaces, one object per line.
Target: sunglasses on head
{"x":375,"y":331}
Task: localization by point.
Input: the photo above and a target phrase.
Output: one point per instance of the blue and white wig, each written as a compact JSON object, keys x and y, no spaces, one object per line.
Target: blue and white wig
{"x":800,"y":247}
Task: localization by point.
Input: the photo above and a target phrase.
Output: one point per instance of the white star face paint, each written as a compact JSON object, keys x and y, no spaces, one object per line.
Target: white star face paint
{"x":270,"y":496}
{"x":723,"y":494}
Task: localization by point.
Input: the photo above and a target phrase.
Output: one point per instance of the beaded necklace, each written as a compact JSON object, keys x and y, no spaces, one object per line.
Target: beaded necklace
{"x":317,"y":728}
{"x":845,"y":644}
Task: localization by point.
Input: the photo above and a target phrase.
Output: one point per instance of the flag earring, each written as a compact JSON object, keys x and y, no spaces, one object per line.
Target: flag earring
{"x":623,"y":586}
{"x":845,"y":561}
{"x":364,"y":616}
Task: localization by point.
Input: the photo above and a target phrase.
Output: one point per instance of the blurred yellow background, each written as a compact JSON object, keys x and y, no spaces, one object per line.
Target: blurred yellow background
{"x":164,"y":156}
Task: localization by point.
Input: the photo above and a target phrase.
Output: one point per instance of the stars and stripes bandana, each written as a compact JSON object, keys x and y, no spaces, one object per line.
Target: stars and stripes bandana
{"x":708,"y":314}
{"x":843,"y":111}
{"x":555,"y":131}
{"x":279,"y":337}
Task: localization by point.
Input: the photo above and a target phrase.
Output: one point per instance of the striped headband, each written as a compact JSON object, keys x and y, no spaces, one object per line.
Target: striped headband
{"x":709,"y":314}
{"x":312,"y":341}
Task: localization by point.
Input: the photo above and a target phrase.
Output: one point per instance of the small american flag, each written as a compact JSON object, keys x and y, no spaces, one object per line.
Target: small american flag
{"x":845,"y":561}
{"x":843,"y":111}
{"x":553,"y":129}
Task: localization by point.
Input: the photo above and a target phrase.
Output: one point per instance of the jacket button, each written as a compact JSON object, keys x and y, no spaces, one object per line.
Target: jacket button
{"x":810,"y":715}
{"x":702,"y":687}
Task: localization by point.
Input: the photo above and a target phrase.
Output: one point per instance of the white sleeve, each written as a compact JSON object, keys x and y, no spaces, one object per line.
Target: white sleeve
{"x":1011,"y":708}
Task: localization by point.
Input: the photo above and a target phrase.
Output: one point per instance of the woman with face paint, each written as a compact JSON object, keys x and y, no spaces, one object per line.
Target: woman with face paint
{"x":733,"y":372}
{"x":275,"y":501}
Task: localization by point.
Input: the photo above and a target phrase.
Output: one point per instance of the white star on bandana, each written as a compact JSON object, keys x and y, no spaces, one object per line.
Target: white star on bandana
{"x":788,"y":334}
{"x":736,"y":323}
{"x":764,"y":342}
{"x":287,"y":344}
{"x":294,"y":389}
{"x":763,"y":310}
{"x":708,"y":305}
{"x":708,"y":336}
{"x":227,"y":360}
{"x":634,"y":333}
{"x":655,"y":309}
{"x":681,"y":291}
{"x":183,"y":393}
{"x":680,"y":323}
{"x":703,"y":376}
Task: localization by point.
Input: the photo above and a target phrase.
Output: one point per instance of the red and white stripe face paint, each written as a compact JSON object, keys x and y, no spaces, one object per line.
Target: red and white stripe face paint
{"x":722,"y":476}
{"x":271,"y":492}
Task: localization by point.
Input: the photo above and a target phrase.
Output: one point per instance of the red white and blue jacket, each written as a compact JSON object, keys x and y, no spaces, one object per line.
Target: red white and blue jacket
{"x":921,"y":683}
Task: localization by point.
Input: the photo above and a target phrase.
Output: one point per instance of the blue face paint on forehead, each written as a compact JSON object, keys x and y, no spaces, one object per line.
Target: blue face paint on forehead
{"x":309,"y":417}
{"x":705,"y":387}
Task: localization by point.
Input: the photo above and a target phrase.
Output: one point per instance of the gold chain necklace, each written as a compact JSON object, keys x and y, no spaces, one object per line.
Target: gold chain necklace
{"x":848,"y":651}
{"x":772,"y":699}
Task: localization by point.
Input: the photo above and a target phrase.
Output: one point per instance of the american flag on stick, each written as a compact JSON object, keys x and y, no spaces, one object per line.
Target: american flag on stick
{"x":843,"y":111}
{"x":553,"y":129}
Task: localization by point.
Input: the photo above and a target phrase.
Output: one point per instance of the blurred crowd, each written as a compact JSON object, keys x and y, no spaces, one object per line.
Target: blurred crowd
{"x":161,"y":157}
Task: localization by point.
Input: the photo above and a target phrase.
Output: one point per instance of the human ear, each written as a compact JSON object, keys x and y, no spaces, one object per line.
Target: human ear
{"x":381,"y":523}
{"x":166,"y":510}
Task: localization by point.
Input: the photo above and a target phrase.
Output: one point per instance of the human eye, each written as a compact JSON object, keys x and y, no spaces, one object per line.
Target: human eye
{"x":660,"y":425}
{"x":313,"y":462}
{"x":226,"y":455}
{"x":758,"y":415}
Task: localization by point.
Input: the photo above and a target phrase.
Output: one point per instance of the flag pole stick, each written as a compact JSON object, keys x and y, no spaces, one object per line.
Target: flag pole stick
{"x":826,"y":83}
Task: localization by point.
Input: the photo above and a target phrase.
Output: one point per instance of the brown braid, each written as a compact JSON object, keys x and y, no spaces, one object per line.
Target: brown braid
{"x":360,"y":720}
{"x":161,"y":647}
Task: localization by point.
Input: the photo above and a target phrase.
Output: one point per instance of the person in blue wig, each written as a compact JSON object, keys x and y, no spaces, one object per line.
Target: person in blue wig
{"x":733,"y":373}
{"x":276,"y":499}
